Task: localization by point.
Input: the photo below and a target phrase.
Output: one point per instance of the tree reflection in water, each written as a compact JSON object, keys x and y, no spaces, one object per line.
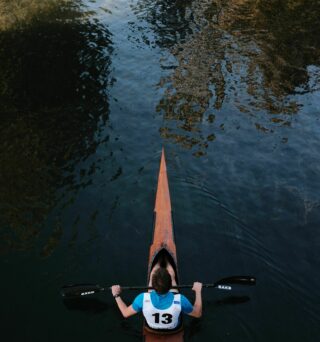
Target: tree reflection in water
{"x":255,"y":55}
{"x":54,"y":65}
{"x":169,"y":19}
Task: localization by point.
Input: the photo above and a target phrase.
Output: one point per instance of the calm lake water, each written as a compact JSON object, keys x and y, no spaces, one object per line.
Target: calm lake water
{"x":90,"y":91}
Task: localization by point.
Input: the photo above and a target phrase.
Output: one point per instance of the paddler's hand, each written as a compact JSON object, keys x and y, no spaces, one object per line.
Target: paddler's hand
{"x":116,"y":290}
{"x":197,"y":287}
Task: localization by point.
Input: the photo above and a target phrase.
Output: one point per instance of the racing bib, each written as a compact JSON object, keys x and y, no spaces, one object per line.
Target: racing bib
{"x":162,"y":319}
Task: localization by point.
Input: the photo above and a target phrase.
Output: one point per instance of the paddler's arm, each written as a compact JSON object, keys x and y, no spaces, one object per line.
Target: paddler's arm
{"x":197,"y":306}
{"x":126,"y":310}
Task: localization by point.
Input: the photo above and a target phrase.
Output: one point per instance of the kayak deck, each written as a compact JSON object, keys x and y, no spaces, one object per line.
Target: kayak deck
{"x":177,"y":337}
{"x":163,"y":246}
{"x":163,"y":236}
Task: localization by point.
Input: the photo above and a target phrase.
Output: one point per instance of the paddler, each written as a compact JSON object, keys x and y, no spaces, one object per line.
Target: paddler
{"x":162,"y":306}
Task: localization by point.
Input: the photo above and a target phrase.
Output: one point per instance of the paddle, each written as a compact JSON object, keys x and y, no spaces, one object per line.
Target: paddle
{"x":78,"y":290}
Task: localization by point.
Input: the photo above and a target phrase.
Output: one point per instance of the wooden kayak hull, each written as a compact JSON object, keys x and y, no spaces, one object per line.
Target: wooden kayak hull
{"x":163,"y":242}
{"x":176,"y":337}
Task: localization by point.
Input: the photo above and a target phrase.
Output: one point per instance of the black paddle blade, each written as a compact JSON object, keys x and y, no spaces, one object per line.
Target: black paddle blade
{"x":238,"y":280}
{"x":80,"y":290}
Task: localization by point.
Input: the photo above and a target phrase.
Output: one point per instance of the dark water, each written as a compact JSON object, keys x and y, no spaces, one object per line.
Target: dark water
{"x":90,"y":91}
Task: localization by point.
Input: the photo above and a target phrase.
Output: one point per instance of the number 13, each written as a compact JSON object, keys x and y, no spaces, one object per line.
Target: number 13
{"x":167,"y":318}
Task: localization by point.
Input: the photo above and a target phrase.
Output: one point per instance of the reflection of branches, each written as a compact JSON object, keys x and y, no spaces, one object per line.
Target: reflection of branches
{"x":53,"y":81}
{"x":253,"y":53}
{"x":196,"y":85}
{"x":286,"y":39}
{"x":21,"y":12}
{"x":170,"y":20}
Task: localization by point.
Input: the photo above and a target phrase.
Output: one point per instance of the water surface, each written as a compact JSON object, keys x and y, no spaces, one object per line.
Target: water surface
{"x":90,"y":91}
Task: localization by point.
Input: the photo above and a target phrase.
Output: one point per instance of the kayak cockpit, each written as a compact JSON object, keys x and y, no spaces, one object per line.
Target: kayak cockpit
{"x":164,"y":257}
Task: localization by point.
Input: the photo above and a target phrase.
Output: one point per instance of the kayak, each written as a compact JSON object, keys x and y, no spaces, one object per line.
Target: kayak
{"x":163,"y":247}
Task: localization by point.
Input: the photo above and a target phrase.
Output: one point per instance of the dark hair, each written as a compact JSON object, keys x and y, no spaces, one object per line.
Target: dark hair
{"x":161,"y":280}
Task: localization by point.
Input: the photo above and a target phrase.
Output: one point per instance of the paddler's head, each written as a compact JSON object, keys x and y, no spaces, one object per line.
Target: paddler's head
{"x":161,"y":281}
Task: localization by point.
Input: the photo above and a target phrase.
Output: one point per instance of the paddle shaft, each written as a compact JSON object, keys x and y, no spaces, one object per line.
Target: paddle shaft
{"x":222,"y":287}
{"x":222,"y":284}
{"x":85,"y":291}
{"x":77,"y":290}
